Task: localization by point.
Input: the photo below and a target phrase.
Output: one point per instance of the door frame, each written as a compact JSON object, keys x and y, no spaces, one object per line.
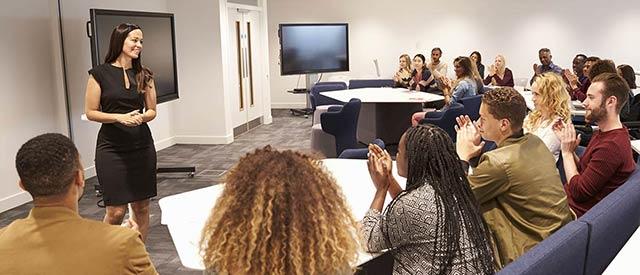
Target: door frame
{"x":262,"y":43}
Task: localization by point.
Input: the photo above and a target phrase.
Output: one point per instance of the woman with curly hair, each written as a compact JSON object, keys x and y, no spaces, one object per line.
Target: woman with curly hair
{"x":434,"y":226}
{"x":552,"y":103}
{"x":280,"y":213}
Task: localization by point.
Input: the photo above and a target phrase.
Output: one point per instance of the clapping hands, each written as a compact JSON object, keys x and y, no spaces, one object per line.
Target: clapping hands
{"x":537,"y":69}
{"x":379,"y":164}
{"x":567,"y":135}
{"x":492,"y":70}
{"x":573,"y":79}
{"x":468,"y":140}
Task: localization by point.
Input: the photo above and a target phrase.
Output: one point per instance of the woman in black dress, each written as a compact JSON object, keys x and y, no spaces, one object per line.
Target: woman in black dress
{"x":121,"y":95}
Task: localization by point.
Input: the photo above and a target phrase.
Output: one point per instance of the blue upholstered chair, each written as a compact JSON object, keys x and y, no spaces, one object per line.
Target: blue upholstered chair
{"x":320,"y":103}
{"x":484,"y":89}
{"x":611,"y":222}
{"x":563,"y":252}
{"x":472,"y":106}
{"x":560,"y":164}
{"x":370,"y":83}
{"x":445,"y":119}
{"x":337,"y":129}
{"x":360,"y":153}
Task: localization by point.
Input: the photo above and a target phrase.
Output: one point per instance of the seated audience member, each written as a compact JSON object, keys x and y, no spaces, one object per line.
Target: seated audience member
{"x":608,"y":66}
{"x":403,"y":75}
{"x":546,"y":65}
{"x":437,"y":67}
{"x":517,"y":184}
{"x":628,"y":74}
{"x":578,"y":88}
{"x":551,"y":103}
{"x":421,"y":78}
{"x":279,"y":213}
{"x":434,"y":226}
{"x":468,"y":83}
{"x":631,"y":110}
{"x":54,"y":239}
{"x":578,"y":70}
{"x":600,"y":67}
{"x":477,"y":58}
{"x":608,"y":159}
{"x":499,"y":74}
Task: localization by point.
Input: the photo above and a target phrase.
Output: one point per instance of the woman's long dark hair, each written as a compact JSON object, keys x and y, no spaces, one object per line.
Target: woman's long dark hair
{"x":119,"y":34}
{"x":629,"y":75}
{"x":479,"y":57}
{"x":432,"y":160}
{"x":470,"y":71}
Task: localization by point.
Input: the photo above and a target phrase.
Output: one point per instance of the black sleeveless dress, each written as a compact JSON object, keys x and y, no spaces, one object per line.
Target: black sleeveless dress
{"x":125,"y":156}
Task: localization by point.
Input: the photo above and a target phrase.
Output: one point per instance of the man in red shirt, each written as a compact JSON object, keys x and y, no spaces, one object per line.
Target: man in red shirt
{"x":608,"y":160}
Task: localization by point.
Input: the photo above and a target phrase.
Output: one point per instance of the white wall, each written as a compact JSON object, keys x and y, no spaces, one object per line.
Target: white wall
{"x":30,"y":90}
{"x":517,"y":29}
{"x":201,"y":116}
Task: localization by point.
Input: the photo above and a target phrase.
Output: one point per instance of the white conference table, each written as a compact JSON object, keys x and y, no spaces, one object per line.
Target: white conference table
{"x":635,"y":145}
{"x":626,"y":262}
{"x":385,"y":113}
{"x":185,"y":214}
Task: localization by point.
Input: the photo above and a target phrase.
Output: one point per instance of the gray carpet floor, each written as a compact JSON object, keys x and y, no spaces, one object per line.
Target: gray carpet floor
{"x":211,"y":162}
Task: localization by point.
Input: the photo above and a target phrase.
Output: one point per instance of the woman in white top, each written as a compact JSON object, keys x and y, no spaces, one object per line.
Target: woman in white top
{"x":551,"y":102}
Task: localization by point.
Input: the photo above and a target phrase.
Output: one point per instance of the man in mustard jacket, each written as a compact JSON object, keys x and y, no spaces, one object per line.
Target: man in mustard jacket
{"x":517,"y":184}
{"x":54,"y":239}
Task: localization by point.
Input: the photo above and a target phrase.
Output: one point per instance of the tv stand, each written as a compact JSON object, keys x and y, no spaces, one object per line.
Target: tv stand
{"x":303,"y":111}
{"x":307,"y":111}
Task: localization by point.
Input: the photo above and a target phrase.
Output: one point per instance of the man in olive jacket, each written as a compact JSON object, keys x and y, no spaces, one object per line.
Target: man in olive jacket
{"x":517,"y":184}
{"x":54,"y":239}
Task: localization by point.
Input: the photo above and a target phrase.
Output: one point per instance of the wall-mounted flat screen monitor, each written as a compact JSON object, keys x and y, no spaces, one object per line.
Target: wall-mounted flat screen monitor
{"x":313,"y":48}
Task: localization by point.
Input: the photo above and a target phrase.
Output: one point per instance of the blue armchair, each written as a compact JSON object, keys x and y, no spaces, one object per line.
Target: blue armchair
{"x":472,"y":106}
{"x":360,"y":153}
{"x":370,"y":83}
{"x":316,"y":99}
{"x":445,"y":119}
{"x":563,"y":252}
{"x":320,"y":103}
{"x":338,"y":127}
{"x":611,"y":222}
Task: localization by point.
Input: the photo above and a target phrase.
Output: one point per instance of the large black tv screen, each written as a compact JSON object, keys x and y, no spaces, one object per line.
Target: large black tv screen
{"x":313,"y":48}
{"x":158,"y":49}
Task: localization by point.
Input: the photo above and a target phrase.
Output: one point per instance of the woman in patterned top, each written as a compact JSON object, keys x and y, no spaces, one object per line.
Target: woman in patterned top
{"x":403,"y":75}
{"x":434,"y":225}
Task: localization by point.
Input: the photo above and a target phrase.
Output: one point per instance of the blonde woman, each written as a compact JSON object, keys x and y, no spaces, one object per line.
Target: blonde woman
{"x":551,"y":103}
{"x":403,"y":75}
{"x":499,"y":74}
{"x":280,"y":213}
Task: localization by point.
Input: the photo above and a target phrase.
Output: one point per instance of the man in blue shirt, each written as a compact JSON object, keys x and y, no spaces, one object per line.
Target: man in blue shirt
{"x":547,"y":65}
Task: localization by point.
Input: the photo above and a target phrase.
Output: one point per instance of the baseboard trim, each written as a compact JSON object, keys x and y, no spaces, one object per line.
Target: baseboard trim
{"x":203,"y":139}
{"x":165,"y":143}
{"x":278,"y":105}
{"x":267,"y":119}
{"x":14,"y":200}
{"x":90,"y":171}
